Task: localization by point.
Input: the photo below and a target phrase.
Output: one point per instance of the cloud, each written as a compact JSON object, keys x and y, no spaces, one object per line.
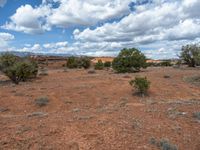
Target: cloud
{"x":5,"y":38}
{"x":169,"y":22}
{"x":30,"y":48}
{"x":87,"y":12}
{"x":68,"y":13}
{"x":29,"y":20}
{"x":2,"y":2}
{"x":158,"y":27}
{"x":55,"y":45}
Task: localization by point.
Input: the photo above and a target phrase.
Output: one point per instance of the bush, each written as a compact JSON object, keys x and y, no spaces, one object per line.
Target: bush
{"x":193,"y":80}
{"x":18,"y":69}
{"x":163,"y":144}
{"x":7,"y":60}
{"x":72,"y":62}
{"x":107,"y":64}
{"x":166,"y":63}
{"x":42,"y":101}
{"x":99,"y":65}
{"x":191,"y":55}
{"x":129,"y":60}
{"x":21,"y":71}
{"x":141,"y":84}
{"x":83,"y":62}
{"x":166,"y":145}
{"x":197,"y":115}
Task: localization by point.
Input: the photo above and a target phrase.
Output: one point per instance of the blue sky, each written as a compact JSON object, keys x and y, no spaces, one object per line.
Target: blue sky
{"x":99,"y":28}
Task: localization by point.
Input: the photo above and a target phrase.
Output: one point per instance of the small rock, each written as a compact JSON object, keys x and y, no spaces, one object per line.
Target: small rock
{"x":166,"y":76}
{"x":76,"y":110}
{"x":84,"y":117}
{"x":68,"y":102}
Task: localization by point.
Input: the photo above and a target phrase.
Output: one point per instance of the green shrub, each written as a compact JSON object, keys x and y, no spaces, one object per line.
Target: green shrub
{"x":197,"y":115}
{"x":18,"y":69}
{"x":165,"y":64}
{"x":191,"y":55}
{"x":107,"y":64}
{"x":72,"y":62}
{"x":42,"y":101}
{"x":166,"y":145}
{"x":34,"y":68}
{"x":99,"y":65}
{"x":13,"y":73}
{"x":163,"y":144}
{"x":21,"y":71}
{"x":151,"y":64}
{"x":7,"y":60}
{"x":141,"y":84}
{"x":82,"y":62}
{"x":129,"y":60}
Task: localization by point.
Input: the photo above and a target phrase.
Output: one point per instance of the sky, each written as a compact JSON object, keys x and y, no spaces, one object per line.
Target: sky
{"x":159,"y":28}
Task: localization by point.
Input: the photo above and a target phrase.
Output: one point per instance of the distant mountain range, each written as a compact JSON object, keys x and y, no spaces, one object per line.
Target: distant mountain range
{"x":24,"y":54}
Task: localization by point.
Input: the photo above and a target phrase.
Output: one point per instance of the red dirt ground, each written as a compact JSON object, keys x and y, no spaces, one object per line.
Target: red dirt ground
{"x":99,"y":111}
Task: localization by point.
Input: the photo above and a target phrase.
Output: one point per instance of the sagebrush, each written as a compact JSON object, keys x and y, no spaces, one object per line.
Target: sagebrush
{"x":141,"y":84}
{"x":99,"y":65}
{"x":76,"y":62}
{"x":18,"y":69}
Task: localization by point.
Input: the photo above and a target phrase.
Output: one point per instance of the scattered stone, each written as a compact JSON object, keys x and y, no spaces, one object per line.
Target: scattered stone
{"x":76,"y":110}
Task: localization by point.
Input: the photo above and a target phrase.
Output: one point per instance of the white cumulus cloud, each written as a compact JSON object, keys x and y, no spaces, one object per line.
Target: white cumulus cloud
{"x":5,"y":38}
{"x":158,"y":27}
{"x":29,"y":20}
